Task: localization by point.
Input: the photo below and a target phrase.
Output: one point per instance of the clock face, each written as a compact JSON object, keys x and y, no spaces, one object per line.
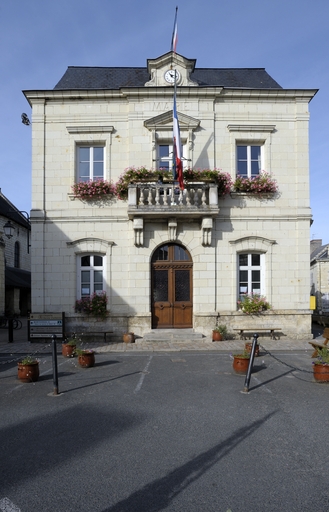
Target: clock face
{"x":170,"y":76}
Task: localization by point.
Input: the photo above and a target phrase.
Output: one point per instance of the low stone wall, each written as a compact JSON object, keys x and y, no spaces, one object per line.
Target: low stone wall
{"x":293,"y":324}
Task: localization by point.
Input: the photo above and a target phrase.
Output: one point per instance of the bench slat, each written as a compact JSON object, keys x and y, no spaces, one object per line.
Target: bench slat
{"x":242,"y":331}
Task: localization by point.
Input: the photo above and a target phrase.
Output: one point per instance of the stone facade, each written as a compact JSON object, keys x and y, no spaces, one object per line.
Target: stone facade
{"x":129,"y":122}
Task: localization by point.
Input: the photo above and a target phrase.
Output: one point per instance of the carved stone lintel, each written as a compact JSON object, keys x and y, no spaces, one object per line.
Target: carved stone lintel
{"x":207,"y":225}
{"x":139,"y":232}
{"x":172,"y":229}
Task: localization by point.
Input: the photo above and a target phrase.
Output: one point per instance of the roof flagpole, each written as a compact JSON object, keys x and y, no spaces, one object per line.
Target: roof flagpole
{"x":177,"y":150}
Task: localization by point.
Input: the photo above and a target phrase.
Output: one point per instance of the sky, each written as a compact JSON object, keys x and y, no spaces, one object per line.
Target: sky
{"x":39,"y":39}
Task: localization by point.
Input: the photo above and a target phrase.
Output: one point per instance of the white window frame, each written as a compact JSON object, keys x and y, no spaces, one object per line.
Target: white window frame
{"x":248,"y":159}
{"x":91,"y":148}
{"x":91,"y":268}
{"x":170,"y":157}
{"x":249,"y":268}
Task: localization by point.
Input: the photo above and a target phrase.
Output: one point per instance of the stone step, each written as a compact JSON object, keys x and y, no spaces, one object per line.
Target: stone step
{"x":158,"y":335}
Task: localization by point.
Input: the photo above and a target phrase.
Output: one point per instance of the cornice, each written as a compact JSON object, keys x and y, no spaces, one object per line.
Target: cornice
{"x":164,"y":92}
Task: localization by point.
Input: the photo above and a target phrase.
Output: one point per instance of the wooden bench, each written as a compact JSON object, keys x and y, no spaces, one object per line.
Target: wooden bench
{"x":317,"y":345}
{"x":271,"y":330}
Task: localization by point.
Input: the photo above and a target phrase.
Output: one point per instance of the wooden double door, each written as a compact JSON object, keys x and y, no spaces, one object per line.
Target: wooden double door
{"x":171,"y":293}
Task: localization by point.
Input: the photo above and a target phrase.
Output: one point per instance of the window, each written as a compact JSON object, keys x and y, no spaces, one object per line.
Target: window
{"x":90,"y":275}
{"x":250,"y":273}
{"x":16,"y":255}
{"x":90,"y":163}
{"x":249,"y":161}
{"x":165,"y":156}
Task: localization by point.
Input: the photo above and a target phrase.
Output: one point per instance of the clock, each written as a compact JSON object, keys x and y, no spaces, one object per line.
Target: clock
{"x":170,"y":76}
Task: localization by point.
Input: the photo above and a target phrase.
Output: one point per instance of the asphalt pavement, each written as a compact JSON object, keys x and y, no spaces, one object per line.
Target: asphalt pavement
{"x":148,"y":431}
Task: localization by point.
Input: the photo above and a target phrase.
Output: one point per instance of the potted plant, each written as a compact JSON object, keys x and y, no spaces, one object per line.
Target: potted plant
{"x":86,"y":357}
{"x":321,"y":365}
{"x":93,"y":190}
{"x":128,"y":337}
{"x":253,"y":304}
{"x":68,"y":347}
{"x":93,"y":305}
{"x":241,"y":362}
{"x":223,"y":180}
{"x":28,"y":369}
{"x":219,"y":333}
{"x":261,"y":184}
{"x":248,"y":347}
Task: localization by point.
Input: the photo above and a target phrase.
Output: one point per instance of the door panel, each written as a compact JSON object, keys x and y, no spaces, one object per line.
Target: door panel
{"x":172,"y":305}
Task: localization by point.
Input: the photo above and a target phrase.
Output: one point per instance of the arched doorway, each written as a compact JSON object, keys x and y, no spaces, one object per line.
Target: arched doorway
{"x":171,"y":271}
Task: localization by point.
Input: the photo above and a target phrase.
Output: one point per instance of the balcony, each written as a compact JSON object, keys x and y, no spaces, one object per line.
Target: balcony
{"x":164,"y":200}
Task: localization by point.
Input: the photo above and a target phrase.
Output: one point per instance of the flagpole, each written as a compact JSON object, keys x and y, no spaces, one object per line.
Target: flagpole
{"x":177,"y":150}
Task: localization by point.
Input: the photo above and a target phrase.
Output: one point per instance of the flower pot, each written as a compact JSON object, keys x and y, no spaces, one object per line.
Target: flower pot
{"x":321,"y":372}
{"x":240,"y":364}
{"x":128,"y":337}
{"x":86,"y":359}
{"x":28,"y":372}
{"x":248,"y":347}
{"x":68,"y":350}
{"x":216,"y":336}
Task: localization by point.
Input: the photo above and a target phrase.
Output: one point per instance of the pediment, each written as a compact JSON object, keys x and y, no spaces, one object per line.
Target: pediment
{"x":170,"y":61}
{"x":165,"y":122}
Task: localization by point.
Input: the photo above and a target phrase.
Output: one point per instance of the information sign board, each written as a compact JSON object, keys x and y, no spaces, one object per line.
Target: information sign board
{"x":45,"y":325}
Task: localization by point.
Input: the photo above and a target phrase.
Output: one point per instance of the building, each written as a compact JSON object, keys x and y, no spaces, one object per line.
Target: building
{"x":320,"y":276}
{"x":15,"y":261}
{"x":168,"y":258}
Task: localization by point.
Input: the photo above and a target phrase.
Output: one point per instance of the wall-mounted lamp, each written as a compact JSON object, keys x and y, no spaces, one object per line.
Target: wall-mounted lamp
{"x":9,"y":229}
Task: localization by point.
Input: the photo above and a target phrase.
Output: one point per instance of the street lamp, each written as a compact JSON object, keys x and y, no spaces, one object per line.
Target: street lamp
{"x":9,"y":229}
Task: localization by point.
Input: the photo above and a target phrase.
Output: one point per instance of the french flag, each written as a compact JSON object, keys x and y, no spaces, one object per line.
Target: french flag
{"x":177,"y":153}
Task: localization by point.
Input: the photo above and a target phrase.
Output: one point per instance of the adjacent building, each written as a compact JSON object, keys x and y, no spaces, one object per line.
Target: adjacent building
{"x":15,"y":260}
{"x":170,"y":258}
{"x":320,"y":276}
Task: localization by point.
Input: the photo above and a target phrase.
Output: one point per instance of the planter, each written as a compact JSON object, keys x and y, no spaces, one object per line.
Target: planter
{"x":216,"y":336}
{"x":28,"y":372}
{"x":68,"y":350}
{"x":248,"y":347}
{"x":240,"y":364}
{"x":86,"y":359}
{"x":321,"y":372}
{"x":128,"y":337}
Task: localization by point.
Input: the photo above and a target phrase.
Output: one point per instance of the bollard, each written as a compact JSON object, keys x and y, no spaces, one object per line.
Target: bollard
{"x":251,"y":362}
{"x":10,"y":330}
{"x":55,"y":370}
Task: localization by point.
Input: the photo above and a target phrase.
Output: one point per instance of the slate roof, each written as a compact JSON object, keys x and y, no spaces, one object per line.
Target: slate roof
{"x":320,"y":253}
{"x":116,"y":78}
{"x":9,"y":211}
